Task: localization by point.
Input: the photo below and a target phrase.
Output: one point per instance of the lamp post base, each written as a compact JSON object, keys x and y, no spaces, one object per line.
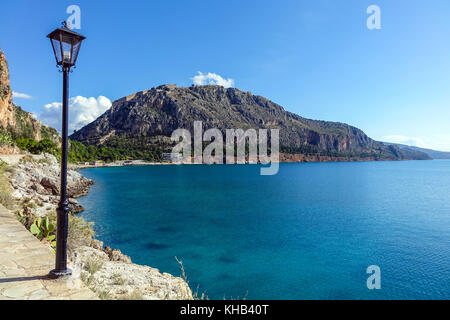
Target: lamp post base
{"x":55,"y":274}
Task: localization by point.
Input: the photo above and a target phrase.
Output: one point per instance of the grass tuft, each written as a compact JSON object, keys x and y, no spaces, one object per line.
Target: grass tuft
{"x":104,"y":295}
{"x":93,"y":265}
{"x":118,"y":280}
{"x":195,"y":295}
{"x":6,"y":198}
{"x":134,"y":295}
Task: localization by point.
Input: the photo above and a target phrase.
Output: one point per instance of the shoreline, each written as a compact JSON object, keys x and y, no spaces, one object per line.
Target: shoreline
{"x":284,"y":158}
{"x":34,"y":183}
{"x":73,"y":166}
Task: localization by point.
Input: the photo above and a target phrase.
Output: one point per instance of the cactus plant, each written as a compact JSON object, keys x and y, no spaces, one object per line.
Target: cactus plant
{"x":43,"y":230}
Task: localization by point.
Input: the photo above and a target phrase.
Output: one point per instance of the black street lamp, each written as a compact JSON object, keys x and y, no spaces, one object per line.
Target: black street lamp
{"x":66,"y":45}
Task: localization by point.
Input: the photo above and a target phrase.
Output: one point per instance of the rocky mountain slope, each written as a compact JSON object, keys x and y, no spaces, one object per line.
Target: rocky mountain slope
{"x":156,"y":113}
{"x":14,"y":121}
{"x":433,"y":154}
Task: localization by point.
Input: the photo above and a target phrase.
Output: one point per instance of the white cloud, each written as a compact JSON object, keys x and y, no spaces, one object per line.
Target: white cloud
{"x":440,"y":143}
{"x":21,"y":95}
{"x":212,"y":78}
{"x":82,"y":111}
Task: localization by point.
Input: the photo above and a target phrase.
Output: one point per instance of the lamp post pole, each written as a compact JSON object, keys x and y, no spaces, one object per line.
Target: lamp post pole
{"x":66,"y":45}
{"x":63,"y":206}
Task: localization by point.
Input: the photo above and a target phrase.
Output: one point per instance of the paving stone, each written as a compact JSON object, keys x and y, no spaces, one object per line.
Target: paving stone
{"x":85,"y":294}
{"x":23,"y":289}
{"x":39,"y":294}
{"x":12,"y":272}
{"x":24,"y":265}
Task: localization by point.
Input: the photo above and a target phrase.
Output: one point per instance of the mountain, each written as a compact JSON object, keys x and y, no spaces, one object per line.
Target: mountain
{"x":145,"y":120}
{"x":15,"y":122}
{"x":433,"y":154}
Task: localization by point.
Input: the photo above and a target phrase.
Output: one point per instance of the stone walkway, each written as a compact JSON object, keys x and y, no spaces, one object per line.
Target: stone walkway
{"x":25,"y":263}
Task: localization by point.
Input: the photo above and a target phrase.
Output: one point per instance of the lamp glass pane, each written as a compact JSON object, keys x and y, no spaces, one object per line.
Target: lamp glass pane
{"x":67,"y":52}
{"x":57,"y":48}
{"x":75,"y":50}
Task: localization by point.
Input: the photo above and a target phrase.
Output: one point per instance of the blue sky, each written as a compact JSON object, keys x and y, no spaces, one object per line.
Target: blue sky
{"x":316,"y":58}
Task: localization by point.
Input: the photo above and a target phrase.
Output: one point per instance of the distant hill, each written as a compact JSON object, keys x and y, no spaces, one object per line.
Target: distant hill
{"x":140,"y":125}
{"x":433,"y":154}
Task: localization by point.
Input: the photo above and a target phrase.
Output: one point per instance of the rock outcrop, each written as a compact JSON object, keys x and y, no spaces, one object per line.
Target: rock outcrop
{"x":7,"y":117}
{"x":16,"y":121}
{"x":119,"y":278}
{"x":160,"y":111}
{"x":36,"y":181}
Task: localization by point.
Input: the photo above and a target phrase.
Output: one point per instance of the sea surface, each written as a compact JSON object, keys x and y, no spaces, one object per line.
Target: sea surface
{"x":309,"y":232}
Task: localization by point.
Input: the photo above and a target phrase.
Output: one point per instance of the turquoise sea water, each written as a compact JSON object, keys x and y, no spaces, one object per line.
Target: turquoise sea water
{"x":308,"y":232}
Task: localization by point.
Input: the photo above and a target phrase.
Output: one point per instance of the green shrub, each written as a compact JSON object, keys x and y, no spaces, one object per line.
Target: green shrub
{"x":80,"y":232}
{"x":5,"y":191}
{"x":5,"y":138}
{"x":119,"y":148}
{"x":24,"y":127}
{"x":35,"y":147}
{"x":5,"y":167}
{"x":48,"y":133}
{"x":26,"y":217}
{"x":6,"y":198}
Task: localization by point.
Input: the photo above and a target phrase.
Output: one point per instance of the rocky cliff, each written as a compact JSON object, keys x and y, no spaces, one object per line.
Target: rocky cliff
{"x":159,"y":111}
{"x":36,"y":180}
{"x":7,"y":116}
{"x":15,"y":121}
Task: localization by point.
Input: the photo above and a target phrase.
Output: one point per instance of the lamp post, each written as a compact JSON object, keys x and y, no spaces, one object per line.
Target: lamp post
{"x":66,"y":45}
